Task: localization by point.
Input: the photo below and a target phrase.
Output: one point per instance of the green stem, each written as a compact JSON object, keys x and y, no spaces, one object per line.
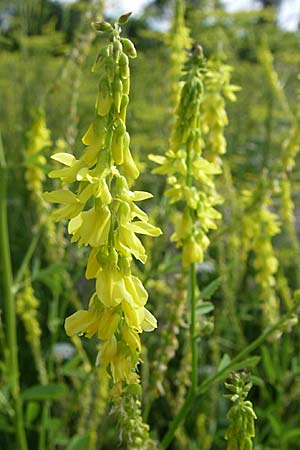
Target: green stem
{"x":10,"y":312}
{"x":193,"y":334}
{"x":23,"y":268}
{"x":194,"y":375}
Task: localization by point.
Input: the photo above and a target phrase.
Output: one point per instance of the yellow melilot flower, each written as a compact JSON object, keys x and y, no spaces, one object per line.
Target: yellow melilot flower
{"x":190,"y":174}
{"x":103,"y":214}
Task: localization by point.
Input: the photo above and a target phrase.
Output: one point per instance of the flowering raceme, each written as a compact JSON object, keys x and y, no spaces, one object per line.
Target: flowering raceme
{"x":260,"y":225}
{"x":190,"y":175}
{"x":103,"y":215}
{"x":38,"y":139}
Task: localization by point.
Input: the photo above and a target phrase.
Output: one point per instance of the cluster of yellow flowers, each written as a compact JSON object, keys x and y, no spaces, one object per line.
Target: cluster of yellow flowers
{"x":260,"y":226}
{"x":35,"y":161}
{"x":27,"y":309}
{"x":218,"y":87}
{"x":103,"y":215}
{"x":266,"y":59}
{"x":27,"y":306}
{"x":190,"y":175}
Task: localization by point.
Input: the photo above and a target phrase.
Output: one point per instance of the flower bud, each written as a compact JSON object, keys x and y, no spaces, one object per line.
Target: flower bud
{"x":124,"y":65}
{"x":129,"y":48}
{"x":104,"y":99}
{"x":117,"y":92}
{"x":129,"y":164}
{"x":102,"y":26}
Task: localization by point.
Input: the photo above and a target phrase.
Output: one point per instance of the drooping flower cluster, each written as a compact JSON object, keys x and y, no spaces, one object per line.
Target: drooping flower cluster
{"x":241,"y":414}
{"x":190,"y":175}
{"x":103,"y":215}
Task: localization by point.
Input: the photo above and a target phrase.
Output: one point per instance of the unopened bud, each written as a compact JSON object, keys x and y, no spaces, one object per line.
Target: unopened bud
{"x":129,"y":48}
{"x":102,"y":26}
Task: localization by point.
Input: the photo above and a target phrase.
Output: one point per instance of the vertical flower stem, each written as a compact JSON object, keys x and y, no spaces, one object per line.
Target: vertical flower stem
{"x":191,"y":395}
{"x":193,"y":335}
{"x":10,"y":312}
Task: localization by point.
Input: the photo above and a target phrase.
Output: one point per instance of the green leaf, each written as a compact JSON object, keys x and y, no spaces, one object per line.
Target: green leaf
{"x":210,"y":289}
{"x":72,"y":365}
{"x":224,"y":362}
{"x":257,"y":381}
{"x":245,"y":363}
{"x":79,"y":442}
{"x":47,"y":392}
{"x":268,"y":365}
{"x":204,"y":308}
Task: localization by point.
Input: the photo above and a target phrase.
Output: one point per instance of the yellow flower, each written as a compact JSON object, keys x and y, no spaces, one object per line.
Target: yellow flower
{"x":103,"y":215}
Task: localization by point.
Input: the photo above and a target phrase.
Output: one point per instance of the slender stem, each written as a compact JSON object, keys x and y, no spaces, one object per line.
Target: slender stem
{"x":10,"y":312}
{"x":193,"y":335}
{"x":22,"y":270}
{"x":167,"y":439}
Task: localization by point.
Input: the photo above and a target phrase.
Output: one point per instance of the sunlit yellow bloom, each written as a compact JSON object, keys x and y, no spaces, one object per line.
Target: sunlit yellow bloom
{"x":104,"y":216}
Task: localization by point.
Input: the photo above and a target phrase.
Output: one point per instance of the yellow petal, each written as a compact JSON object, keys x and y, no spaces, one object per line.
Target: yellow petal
{"x":79,"y":322}
{"x":65,"y":158}
{"x":149,"y":322}
{"x":60,"y":196}
{"x":143,"y":228}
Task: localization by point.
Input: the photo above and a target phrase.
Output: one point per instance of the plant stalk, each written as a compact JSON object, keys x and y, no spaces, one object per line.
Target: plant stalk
{"x":10,"y":311}
{"x":194,"y":375}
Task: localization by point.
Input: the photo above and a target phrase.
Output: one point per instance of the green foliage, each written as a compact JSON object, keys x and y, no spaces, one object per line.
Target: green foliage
{"x":253,"y":262}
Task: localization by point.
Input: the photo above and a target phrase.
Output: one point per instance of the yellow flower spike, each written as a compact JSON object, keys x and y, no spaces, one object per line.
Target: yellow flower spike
{"x":103,"y":216}
{"x":192,"y":161}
